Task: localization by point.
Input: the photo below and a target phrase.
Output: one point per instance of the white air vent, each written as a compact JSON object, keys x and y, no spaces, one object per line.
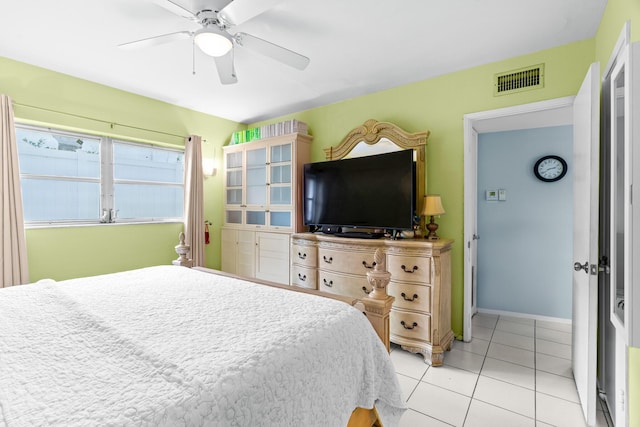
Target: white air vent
{"x":519,"y":80}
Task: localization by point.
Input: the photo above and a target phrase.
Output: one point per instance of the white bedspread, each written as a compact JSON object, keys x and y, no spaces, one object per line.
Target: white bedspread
{"x":172,"y":346}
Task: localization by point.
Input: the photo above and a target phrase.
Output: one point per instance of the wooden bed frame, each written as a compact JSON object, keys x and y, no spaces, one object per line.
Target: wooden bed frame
{"x":376,"y":306}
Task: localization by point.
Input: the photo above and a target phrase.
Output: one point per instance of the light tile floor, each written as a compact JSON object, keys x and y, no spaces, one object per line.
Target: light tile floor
{"x":514,"y":372}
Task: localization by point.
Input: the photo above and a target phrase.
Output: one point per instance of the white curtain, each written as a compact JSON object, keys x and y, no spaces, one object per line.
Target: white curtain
{"x":193,"y":199}
{"x":13,"y":249}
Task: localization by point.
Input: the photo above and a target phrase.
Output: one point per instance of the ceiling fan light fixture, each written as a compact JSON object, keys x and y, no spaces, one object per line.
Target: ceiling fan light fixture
{"x":213,"y":41}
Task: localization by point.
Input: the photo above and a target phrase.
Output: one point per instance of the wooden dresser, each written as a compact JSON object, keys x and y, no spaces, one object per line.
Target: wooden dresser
{"x":420,"y":319}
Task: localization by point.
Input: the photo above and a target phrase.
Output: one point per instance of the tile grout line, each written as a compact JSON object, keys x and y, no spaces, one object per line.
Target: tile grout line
{"x":485,"y":356}
{"x":535,"y":365}
{"x":535,"y":373}
{"x":479,"y":372}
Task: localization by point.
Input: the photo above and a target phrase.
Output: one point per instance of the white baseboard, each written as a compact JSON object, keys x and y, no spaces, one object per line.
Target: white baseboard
{"x":524,"y":315}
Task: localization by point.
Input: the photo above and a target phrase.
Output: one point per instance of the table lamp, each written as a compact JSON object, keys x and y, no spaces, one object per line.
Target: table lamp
{"x":432,"y":207}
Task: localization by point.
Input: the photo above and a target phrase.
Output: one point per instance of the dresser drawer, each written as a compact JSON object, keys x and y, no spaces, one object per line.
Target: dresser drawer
{"x":303,"y":277}
{"x":340,"y":284}
{"x":410,"y":297}
{"x":345,"y":262}
{"x":409,"y":325}
{"x":304,"y":255}
{"x":409,"y":269}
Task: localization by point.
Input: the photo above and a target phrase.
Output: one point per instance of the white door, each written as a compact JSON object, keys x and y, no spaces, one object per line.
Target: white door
{"x":586,"y":120}
{"x":470,"y":228}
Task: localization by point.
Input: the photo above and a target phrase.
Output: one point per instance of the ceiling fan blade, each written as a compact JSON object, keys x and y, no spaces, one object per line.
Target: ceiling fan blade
{"x":176,"y":9}
{"x":226,"y":70}
{"x":271,"y":50}
{"x":239,"y":11}
{"x":157,"y":40}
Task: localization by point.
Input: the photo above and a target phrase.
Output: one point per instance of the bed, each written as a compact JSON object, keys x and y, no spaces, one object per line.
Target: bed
{"x":175,"y":346}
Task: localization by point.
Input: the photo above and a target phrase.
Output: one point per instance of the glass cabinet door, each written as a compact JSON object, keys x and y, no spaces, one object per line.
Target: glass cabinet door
{"x":280,"y":219}
{"x":256,"y":170}
{"x":255,"y":217}
{"x":280,"y":170}
{"x":280,"y":186}
{"x":233,"y":188}
{"x":234,"y":178}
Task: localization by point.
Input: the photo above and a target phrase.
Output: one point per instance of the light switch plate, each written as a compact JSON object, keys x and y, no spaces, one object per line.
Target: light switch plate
{"x":502,"y":195}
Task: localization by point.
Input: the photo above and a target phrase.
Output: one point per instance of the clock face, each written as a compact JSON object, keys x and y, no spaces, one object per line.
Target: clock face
{"x":550,"y":168}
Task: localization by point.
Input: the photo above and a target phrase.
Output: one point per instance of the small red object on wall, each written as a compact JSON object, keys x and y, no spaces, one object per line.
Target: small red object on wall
{"x":206,"y":233}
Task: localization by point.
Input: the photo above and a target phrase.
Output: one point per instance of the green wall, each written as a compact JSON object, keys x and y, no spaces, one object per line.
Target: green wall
{"x":45,"y":97}
{"x":439,"y":104}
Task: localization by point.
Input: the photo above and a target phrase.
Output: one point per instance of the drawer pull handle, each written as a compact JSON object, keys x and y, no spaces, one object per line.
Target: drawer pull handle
{"x":404,"y":296}
{"x":404,"y":325}
{"x":413,"y":270}
{"x":327,"y":260}
{"x":302,"y":256}
{"x":367,"y":265}
{"x":328,"y":284}
{"x":365,"y":290}
{"x":302,"y":277}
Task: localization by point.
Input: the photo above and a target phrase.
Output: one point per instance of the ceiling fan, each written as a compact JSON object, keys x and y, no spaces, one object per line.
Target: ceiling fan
{"x":214,"y":38}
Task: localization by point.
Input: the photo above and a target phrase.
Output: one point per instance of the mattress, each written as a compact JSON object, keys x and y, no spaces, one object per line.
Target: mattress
{"x":171,"y":346}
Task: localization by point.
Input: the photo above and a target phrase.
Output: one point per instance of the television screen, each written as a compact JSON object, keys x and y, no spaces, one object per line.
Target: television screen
{"x":365,"y":192}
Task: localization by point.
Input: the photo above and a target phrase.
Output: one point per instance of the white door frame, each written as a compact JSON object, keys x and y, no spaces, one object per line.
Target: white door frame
{"x":537,"y":114}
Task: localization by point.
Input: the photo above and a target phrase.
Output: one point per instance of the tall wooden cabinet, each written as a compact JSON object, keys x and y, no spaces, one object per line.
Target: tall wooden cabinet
{"x":420,"y":318}
{"x":262,"y":205}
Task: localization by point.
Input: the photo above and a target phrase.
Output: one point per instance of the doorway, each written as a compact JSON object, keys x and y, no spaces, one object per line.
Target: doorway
{"x":584,"y":113}
{"x":556,"y":112}
{"x":526,"y":232}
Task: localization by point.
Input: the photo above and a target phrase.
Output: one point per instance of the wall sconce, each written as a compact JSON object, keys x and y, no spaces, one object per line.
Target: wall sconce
{"x":209,"y":167}
{"x":432,"y":207}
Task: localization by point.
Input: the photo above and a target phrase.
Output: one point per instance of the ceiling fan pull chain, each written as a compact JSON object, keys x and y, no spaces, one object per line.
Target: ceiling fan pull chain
{"x":193,"y":56}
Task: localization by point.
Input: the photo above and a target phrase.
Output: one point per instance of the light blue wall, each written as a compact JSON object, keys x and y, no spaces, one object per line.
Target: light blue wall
{"x":525,"y":246}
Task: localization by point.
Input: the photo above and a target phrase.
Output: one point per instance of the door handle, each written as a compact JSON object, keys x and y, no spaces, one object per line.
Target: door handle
{"x":577,"y":267}
{"x":603,"y":265}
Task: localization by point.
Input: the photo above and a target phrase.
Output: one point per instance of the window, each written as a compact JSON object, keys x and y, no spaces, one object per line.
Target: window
{"x":69,"y":177}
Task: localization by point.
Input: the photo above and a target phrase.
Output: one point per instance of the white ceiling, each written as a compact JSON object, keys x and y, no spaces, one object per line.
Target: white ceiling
{"x":355,"y":46}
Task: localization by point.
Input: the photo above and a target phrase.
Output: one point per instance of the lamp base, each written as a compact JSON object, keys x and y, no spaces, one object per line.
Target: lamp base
{"x":432,"y":227}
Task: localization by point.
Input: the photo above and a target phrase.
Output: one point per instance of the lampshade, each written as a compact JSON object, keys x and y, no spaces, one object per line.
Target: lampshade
{"x":432,"y":205}
{"x":213,"y":41}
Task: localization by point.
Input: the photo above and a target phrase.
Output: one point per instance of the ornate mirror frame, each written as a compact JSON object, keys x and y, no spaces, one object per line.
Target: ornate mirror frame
{"x":372,"y":132}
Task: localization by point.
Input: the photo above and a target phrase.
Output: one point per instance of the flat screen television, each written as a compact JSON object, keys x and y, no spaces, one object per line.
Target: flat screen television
{"x":371,"y":192}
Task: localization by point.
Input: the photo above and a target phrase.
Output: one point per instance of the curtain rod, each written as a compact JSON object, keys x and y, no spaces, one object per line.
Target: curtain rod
{"x":111,"y":124}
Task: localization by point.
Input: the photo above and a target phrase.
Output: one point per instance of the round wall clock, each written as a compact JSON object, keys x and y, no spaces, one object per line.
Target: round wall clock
{"x":550,"y":168}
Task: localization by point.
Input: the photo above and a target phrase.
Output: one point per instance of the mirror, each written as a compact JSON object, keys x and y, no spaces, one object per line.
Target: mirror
{"x":374,"y":137}
{"x":362,"y":149}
